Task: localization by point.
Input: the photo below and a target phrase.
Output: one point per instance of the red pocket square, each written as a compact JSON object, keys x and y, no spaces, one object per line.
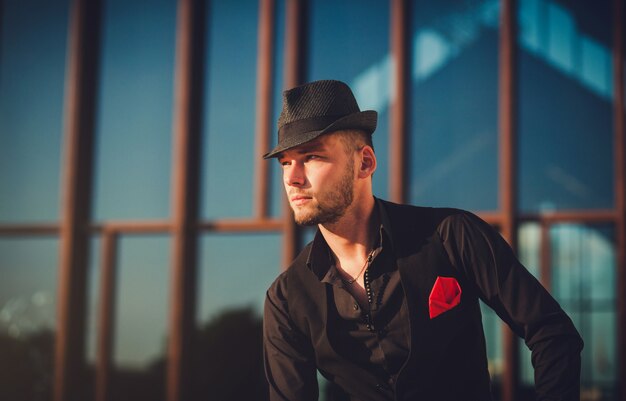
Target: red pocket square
{"x":445,"y":295}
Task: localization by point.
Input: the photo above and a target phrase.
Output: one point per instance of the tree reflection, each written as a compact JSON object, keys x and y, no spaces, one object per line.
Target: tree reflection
{"x":227,"y":365}
{"x":26,"y":366}
{"x":228,"y":361}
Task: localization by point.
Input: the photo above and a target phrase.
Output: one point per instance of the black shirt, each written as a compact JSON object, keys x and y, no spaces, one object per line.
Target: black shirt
{"x":478,"y":254}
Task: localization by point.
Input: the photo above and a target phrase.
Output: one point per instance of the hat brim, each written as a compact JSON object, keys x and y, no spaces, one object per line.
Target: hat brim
{"x":363,"y":120}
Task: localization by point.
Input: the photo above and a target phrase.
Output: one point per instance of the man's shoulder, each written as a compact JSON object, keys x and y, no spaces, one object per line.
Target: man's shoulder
{"x":409,"y":209}
{"x":425,"y":218}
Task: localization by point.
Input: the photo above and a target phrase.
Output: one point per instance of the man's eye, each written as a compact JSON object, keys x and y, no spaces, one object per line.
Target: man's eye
{"x":284,"y":163}
{"x":312,"y":157}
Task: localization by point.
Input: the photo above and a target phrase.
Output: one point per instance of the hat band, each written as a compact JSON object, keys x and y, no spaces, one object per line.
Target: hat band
{"x":306,"y":125}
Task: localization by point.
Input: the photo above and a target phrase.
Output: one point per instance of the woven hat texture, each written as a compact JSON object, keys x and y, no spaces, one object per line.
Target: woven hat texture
{"x":317,"y":108}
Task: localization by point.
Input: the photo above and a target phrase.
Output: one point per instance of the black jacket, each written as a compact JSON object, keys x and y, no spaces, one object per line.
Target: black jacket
{"x":447,"y":355}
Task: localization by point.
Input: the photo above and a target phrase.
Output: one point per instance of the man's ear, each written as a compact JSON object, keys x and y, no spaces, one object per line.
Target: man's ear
{"x":368,"y":162}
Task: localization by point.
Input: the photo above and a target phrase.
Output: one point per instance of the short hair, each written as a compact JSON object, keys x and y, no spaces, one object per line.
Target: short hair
{"x":354,"y":139}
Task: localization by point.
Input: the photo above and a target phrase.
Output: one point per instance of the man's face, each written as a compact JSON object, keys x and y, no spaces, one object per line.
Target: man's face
{"x":319,"y":180}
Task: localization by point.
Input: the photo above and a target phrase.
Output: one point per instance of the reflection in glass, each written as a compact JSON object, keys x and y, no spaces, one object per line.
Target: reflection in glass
{"x":529,"y":253}
{"x":28,"y":270}
{"x":565,"y":155}
{"x":141,"y":315}
{"x":583,"y":271}
{"x":583,"y":282}
{"x":453,"y":107}
{"x":134,"y":124}
{"x":33,"y":36}
{"x":230,"y":95}
{"x":235,"y":272}
{"x":338,"y":36}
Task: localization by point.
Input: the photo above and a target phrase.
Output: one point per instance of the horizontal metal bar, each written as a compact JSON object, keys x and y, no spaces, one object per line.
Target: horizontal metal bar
{"x":277,"y":224}
{"x":29,"y":229}
{"x":242,"y":225}
{"x":132,"y":227}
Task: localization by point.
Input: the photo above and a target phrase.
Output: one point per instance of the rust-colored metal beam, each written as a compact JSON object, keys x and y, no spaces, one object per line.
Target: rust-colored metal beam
{"x":133,"y":227}
{"x":264,"y":85}
{"x":267,"y":225}
{"x":620,"y":188}
{"x":189,"y":84}
{"x":398,"y":120}
{"x":79,"y":111}
{"x":295,"y":42}
{"x":507,"y":174}
{"x":106,"y":314}
{"x":29,"y":229}
{"x":294,"y":71}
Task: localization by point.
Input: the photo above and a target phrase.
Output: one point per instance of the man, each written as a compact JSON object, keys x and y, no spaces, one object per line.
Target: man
{"x":384,"y":301}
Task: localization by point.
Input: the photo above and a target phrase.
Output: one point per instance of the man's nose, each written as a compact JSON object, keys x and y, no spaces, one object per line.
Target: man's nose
{"x":294,"y":174}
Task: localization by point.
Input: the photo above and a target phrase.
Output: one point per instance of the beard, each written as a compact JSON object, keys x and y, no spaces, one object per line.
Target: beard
{"x":330,"y":203}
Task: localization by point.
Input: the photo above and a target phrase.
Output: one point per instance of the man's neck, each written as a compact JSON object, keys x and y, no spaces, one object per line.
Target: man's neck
{"x":354,"y":235}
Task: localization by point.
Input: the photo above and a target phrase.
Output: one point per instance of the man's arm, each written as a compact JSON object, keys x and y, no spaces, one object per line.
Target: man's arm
{"x":521,"y":301}
{"x":289,"y":357}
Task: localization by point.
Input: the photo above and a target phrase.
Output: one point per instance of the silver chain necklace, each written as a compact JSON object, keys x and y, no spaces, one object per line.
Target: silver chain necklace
{"x":367,"y":262}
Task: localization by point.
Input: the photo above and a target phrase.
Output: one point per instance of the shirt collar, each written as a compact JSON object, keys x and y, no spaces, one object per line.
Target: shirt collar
{"x":319,"y":259}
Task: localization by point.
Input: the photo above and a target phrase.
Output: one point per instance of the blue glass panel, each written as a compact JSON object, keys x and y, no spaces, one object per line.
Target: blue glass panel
{"x":583,"y":281}
{"x":141,"y":316}
{"x":33,"y":36}
{"x":343,"y":47}
{"x":28,"y":268}
{"x":565,"y":105}
{"x":235,"y":272}
{"x":143,"y":294}
{"x":229,"y":144}
{"x":93,"y":298}
{"x":134,"y":125}
{"x":454,"y":104}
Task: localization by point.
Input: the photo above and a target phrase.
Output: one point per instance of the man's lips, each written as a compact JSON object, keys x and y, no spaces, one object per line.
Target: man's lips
{"x":300,"y":199}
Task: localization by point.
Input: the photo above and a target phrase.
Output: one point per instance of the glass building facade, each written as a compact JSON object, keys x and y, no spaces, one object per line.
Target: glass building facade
{"x":140,"y":228}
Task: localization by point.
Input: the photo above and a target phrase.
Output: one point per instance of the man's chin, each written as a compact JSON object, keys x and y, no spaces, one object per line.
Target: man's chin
{"x":306,"y":221}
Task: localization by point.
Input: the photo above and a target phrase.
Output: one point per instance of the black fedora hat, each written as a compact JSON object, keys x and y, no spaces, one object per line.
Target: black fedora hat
{"x":318,"y":108}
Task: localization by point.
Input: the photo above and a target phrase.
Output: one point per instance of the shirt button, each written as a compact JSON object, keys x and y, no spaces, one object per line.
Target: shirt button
{"x":355,"y":306}
{"x":381,"y":386}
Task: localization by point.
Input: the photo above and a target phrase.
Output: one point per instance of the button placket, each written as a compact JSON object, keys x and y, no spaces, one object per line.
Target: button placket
{"x":368,"y":291}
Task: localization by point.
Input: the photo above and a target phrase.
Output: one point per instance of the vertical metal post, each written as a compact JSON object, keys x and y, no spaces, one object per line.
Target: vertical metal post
{"x":398,"y":122}
{"x":264,"y":85}
{"x":80,"y":95}
{"x":295,"y":48}
{"x":507,"y":173}
{"x":620,"y":188}
{"x":106,"y":314}
{"x":185,"y":193}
